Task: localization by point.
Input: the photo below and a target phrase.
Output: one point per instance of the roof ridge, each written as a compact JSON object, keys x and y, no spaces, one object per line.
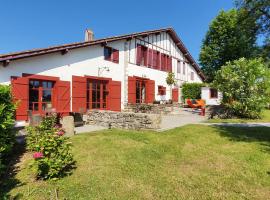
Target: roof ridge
{"x":83,"y":42}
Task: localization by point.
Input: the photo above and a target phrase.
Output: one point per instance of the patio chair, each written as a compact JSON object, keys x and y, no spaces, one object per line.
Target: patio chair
{"x":192,"y":105}
{"x":200,"y":103}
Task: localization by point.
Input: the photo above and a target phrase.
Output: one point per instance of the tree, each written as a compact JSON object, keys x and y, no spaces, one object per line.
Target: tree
{"x":170,"y":80}
{"x":245,"y":85}
{"x":227,"y":39}
{"x":260,"y":11}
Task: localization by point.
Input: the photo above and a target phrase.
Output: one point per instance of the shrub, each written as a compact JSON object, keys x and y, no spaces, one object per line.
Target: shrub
{"x":192,"y":90}
{"x":51,"y":150}
{"x":7,"y":136}
{"x":245,"y":85}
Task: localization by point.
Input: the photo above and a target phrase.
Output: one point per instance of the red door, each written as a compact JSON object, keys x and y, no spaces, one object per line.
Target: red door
{"x":175,"y":94}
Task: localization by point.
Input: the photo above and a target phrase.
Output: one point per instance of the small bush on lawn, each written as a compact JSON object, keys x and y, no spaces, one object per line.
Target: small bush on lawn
{"x":51,"y":150}
{"x":245,"y":85}
{"x":7,"y":136}
{"x":192,"y":90}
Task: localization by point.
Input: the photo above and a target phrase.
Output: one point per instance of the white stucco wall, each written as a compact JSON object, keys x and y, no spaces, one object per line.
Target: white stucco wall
{"x":87,"y":61}
{"x":206,"y":96}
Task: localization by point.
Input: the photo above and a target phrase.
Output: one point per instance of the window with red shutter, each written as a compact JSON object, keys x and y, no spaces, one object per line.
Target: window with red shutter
{"x":139,"y":56}
{"x":142,"y":55}
{"x":150,"y":58}
{"x":169,"y":68}
{"x":163,"y":62}
{"x":158,"y":60}
{"x":154,"y":59}
{"x":178,"y":67}
{"x":115,"y":55}
{"x":111,"y":54}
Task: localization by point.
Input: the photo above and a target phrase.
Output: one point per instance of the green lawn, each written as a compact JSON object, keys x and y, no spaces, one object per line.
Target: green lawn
{"x":265,"y":118}
{"x":192,"y":162}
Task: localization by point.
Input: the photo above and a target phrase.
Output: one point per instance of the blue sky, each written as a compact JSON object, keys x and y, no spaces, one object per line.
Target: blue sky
{"x":35,"y":24}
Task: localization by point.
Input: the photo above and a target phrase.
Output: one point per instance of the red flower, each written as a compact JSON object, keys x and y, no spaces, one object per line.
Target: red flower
{"x":57,"y":126}
{"x":61,"y":132}
{"x":37,"y":155}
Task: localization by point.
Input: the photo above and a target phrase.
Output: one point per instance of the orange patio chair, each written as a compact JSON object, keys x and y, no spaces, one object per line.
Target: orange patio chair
{"x":191,"y":105}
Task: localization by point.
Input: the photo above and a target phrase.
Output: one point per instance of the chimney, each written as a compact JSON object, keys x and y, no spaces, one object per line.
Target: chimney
{"x":89,"y":35}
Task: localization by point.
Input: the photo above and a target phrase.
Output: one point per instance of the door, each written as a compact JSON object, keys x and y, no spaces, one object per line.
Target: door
{"x":97,"y":94}
{"x":40,"y":96}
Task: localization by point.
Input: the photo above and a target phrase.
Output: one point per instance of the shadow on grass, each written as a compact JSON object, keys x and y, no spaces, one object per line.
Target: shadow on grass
{"x":8,"y":180}
{"x":247,"y":134}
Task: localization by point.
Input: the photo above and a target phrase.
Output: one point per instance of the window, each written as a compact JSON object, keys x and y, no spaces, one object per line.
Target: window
{"x":178,"y":67}
{"x":140,"y":91}
{"x":213,"y":93}
{"x":97,"y":94}
{"x":161,"y":90}
{"x":192,"y":76}
{"x":184,"y":68}
{"x":153,"y":59}
{"x":111,"y":54}
{"x":40,"y":95}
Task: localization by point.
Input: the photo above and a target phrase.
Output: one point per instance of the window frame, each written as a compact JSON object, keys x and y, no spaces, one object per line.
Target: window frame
{"x":213,"y":93}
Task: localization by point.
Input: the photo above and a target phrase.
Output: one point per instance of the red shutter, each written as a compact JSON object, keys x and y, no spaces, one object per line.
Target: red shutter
{"x":79,"y":92}
{"x":155,"y":59}
{"x":158,"y":60}
{"x":163,"y":63}
{"x":150,"y":91}
{"x":131,"y":90}
{"x":169,"y":64}
{"x":115,"y":95}
{"x":150,"y":57}
{"x":115,"y":55}
{"x":20,"y":92}
{"x":63,"y":97}
{"x":175,"y":94}
{"x":139,"y":55}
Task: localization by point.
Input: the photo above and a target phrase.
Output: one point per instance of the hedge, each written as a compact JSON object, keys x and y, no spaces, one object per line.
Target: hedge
{"x":192,"y":90}
{"x":7,"y":136}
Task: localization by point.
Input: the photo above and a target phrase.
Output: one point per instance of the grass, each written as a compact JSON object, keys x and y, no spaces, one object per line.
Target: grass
{"x":265,"y":118}
{"x":192,"y":162}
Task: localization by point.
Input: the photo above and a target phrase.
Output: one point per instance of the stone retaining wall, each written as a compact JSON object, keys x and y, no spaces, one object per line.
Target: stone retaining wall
{"x":125,"y":120}
{"x":151,"y":108}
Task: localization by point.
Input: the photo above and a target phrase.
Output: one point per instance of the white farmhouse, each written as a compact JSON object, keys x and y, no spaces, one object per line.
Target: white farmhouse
{"x":104,"y":74}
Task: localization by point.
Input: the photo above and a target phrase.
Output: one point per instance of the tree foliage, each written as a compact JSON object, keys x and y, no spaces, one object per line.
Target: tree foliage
{"x":258,"y":10}
{"x":245,"y":85}
{"x":170,"y":80}
{"x":7,"y":136}
{"x":229,"y":38}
